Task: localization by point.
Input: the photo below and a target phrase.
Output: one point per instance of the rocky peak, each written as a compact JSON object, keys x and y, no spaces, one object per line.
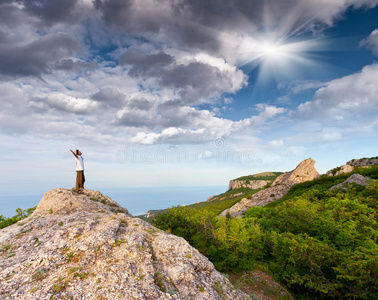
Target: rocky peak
{"x":305,"y":171}
{"x":89,"y":247}
{"x":63,"y":202}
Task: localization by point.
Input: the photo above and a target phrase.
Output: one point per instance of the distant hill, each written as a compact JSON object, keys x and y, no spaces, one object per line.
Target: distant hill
{"x":225,"y":200}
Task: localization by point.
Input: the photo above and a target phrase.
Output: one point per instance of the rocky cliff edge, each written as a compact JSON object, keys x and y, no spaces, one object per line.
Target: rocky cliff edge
{"x":89,"y":247}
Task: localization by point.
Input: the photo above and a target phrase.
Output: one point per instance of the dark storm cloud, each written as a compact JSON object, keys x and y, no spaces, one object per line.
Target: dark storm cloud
{"x":145,"y":65}
{"x":140,"y":103}
{"x":74,"y":66}
{"x":50,"y":11}
{"x":38,"y":57}
{"x":109,"y":96}
{"x":194,"y":81}
{"x":165,"y":18}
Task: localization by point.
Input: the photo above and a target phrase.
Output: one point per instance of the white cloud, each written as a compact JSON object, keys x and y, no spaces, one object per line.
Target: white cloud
{"x":371,"y":42}
{"x":71,"y":104}
{"x":295,"y":150}
{"x":348,"y":100}
{"x":275,"y":144}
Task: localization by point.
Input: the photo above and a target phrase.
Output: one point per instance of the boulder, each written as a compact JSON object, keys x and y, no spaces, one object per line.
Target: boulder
{"x":89,"y":247}
{"x":355,"y":178}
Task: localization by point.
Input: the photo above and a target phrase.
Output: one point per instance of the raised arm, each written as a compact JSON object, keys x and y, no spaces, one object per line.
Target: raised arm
{"x":73,"y":153}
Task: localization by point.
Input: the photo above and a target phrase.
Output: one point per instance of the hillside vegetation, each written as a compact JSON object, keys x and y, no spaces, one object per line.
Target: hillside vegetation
{"x":319,"y":243}
{"x":218,"y":203}
{"x":21,"y":214}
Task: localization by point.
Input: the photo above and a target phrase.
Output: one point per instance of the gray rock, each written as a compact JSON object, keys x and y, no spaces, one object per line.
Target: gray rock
{"x":88,"y":247}
{"x":355,"y":178}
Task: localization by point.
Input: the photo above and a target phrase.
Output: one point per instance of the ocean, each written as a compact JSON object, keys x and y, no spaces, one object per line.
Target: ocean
{"x":136,"y":200}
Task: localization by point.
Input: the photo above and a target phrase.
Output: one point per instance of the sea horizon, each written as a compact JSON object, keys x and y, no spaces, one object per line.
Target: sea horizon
{"x":137,"y":200}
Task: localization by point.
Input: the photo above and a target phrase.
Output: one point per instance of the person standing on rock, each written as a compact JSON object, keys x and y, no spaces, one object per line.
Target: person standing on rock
{"x":80,"y":179}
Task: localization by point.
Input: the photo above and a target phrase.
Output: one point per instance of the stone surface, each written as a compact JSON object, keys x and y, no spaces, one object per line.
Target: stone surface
{"x":363,"y":162}
{"x":88,"y":247}
{"x":252,"y":184}
{"x":305,"y":171}
{"x":355,"y":178}
{"x":344,"y":169}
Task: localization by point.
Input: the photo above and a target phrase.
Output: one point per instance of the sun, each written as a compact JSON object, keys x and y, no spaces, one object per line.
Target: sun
{"x":271,"y":50}
{"x":276,"y":57}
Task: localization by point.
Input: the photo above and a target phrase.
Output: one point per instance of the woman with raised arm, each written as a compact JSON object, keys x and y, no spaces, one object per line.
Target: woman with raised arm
{"x":80,"y":178}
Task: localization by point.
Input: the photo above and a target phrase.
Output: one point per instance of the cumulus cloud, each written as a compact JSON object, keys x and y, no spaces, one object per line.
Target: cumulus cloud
{"x":371,"y":42}
{"x":196,"y":81}
{"x":199,"y":24}
{"x":345,"y":100}
{"x":143,"y":71}
{"x":50,"y":11}
{"x":191,"y":126}
{"x":37,"y":57}
{"x":62,"y":102}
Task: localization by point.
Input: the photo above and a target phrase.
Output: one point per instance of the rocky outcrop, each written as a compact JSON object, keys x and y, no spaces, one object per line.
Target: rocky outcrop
{"x":344,"y":169}
{"x":251,"y":184}
{"x":355,"y":178}
{"x":305,"y":171}
{"x":363,"y":162}
{"x":88,"y":247}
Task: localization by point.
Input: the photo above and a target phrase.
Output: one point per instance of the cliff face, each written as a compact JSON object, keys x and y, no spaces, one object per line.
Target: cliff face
{"x":254,"y":185}
{"x":88,"y":247}
{"x":305,"y":171}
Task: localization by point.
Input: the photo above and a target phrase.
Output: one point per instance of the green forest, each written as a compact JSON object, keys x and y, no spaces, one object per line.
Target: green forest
{"x":320,"y":244}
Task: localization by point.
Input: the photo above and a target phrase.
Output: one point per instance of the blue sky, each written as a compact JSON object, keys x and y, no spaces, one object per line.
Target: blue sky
{"x":183,"y":93}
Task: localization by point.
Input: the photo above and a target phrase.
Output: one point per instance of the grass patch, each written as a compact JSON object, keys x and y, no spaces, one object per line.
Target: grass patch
{"x":72,"y":270}
{"x":33,"y":290}
{"x":70,"y":256}
{"x":11,"y":254}
{"x":39,"y":275}
{"x":81,"y":275}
